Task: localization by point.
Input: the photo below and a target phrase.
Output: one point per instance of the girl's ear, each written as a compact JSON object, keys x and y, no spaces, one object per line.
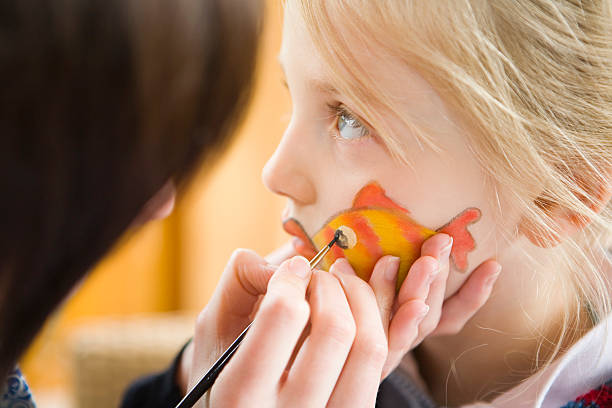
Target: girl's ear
{"x":566,"y":221}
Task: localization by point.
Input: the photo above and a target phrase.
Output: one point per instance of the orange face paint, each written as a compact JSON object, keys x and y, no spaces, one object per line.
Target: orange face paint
{"x":383,"y":228}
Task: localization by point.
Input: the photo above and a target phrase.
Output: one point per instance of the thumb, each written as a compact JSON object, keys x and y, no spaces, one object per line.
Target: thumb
{"x":244,"y":279}
{"x":281,"y":254}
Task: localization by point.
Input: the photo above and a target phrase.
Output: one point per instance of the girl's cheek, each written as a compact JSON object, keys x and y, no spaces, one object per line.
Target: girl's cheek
{"x":361,"y":155}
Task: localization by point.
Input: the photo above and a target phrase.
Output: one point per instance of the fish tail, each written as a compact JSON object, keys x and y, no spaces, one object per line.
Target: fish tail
{"x":463,"y":242}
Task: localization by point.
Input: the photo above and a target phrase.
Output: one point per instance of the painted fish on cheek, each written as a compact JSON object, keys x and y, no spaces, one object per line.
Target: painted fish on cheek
{"x":383,"y":228}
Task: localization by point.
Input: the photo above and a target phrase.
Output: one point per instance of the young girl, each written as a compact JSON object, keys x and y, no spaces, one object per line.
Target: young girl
{"x":446,"y":134}
{"x":502,"y":108}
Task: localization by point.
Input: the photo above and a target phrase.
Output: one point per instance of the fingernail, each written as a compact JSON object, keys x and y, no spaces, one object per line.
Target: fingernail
{"x":422,"y":313}
{"x":491,"y":279}
{"x":339,"y":266}
{"x":444,"y":252}
{"x":392,"y":268}
{"x":299,"y":265}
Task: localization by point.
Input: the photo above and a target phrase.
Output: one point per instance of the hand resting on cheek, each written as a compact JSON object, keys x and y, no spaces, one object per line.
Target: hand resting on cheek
{"x":319,"y":338}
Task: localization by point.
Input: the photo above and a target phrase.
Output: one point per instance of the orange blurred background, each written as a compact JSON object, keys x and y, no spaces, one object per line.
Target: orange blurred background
{"x":174,"y":264}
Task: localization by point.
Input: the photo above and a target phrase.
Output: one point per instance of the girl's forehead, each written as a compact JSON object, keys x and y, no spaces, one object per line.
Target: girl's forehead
{"x":410,"y":95}
{"x":297,"y":48}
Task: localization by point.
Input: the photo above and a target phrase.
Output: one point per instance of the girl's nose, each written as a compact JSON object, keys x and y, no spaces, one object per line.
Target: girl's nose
{"x":287,"y":173}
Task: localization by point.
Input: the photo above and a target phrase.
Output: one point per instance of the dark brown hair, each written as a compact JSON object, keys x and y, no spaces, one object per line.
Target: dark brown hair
{"x":101,"y":103}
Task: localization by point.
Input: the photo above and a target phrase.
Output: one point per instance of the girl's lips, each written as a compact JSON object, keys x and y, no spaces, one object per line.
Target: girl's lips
{"x":302,"y":243}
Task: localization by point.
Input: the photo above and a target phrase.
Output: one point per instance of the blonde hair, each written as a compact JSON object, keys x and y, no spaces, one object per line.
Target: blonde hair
{"x":533,"y":79}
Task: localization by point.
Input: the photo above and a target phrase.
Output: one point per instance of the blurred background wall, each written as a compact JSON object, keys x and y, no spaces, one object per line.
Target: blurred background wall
{"x":173,"y":265}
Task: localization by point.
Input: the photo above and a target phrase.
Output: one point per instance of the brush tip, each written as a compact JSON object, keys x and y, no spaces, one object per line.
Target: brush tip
{"x":346,"y":237}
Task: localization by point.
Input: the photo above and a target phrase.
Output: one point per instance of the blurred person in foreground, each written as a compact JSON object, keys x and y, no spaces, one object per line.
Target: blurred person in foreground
{"x":106,"y":108}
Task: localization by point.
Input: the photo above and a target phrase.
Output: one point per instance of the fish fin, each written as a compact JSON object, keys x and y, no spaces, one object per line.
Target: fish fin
{"x":463,"y":242}
{"x":373,"y":195}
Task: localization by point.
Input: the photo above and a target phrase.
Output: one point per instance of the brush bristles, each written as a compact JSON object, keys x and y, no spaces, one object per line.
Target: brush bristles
{"x":346,"y":237}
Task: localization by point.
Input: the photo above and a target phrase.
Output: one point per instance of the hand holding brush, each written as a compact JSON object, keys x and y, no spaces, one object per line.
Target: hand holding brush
{"x":345,"y":238}
{"x":353,"y":340}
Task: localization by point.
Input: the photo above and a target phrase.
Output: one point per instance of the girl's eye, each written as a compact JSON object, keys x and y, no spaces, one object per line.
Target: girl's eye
{"x":348,"y":126}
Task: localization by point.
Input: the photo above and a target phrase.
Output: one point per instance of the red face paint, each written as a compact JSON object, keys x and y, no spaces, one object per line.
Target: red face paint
{"x":383,"y":228}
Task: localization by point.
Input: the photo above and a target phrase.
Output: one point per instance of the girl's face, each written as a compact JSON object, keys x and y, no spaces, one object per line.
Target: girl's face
{"x":328,"y":153}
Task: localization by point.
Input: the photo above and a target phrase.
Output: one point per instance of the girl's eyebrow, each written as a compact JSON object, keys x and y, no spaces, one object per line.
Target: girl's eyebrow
{"x":316,"y":84}
{"x":321,"y":85}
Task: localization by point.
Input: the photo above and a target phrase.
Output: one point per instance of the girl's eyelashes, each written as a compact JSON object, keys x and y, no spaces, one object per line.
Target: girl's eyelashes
{"x":346,"y":125}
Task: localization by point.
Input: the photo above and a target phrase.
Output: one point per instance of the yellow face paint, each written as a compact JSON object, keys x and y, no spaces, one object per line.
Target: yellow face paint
{"x":383,"y":228}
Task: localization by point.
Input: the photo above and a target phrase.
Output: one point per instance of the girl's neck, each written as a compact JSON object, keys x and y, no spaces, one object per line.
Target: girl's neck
{"x":501,"y":345}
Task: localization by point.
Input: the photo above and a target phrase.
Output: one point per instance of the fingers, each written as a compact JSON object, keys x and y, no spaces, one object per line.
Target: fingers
{"x":252,"y":272}
{"x":359,"y":380}
{"x":421,"y":275}
{"x":261,"y":359}
{"x":412,"y":309}
{"x":426,"y":281}
{"x":438,"y":247}
{"x":319,"y":362}
{"x":227,"y":314}
{"x":458,"y":309}
{"x":421,"y":292}
{"x":245,"y":278}
{"x":403,"y":331}
{"x":281,"y":254}
{"x":383,"y":282}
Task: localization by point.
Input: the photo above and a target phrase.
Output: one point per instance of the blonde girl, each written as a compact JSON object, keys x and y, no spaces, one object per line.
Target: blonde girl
{"x":505,"y":106}
{"x":428,"y":111}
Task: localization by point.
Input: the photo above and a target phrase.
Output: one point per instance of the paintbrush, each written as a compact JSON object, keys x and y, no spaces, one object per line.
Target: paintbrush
{"x":345,"y":238}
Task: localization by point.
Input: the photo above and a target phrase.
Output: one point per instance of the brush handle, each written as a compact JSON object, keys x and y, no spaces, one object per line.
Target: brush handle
{"x":209,"y":378}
